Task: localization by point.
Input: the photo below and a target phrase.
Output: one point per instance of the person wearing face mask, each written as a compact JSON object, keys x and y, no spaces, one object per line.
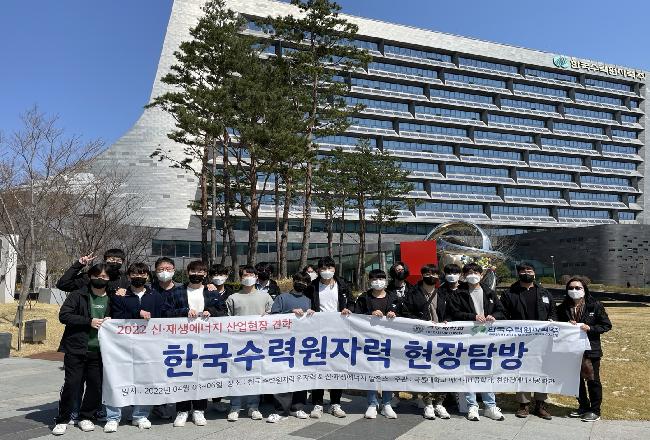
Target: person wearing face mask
{"x":83,"y":313}
{"x":139,"y":302}
{"x":376,"y":301}
{"x":527,"y":300}
{"x":218,"y":276}
{"x":264,"y":281}
{"x":292,"y":302}
{"x":579,"y":307}
{"x":477,"y":302}
{"x":329,"y":293}
{"x":194,"y":301}
{"x":311,"y":270}
{"x":75,"y":278}
{"x":248,"y":301}
{"x":423,"y":301}
{"x":398,"y":272}
{"x":451,"y":279}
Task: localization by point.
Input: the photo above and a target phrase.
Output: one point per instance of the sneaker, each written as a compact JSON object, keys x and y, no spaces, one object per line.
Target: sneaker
{"x":494,"y":413}
{"x":429,"y":412}
{"x":441,"y":412}
{"x":59,"y":429}
{"x":395,"y":401}
{"x":181,"y":418}
{"x":300,"y":414}
{"x":371,"y":412}
{"x":590,"y":417}
{"x":199,"y":418}
{"x":86,"y":426}
{"x":111,"y":426}
{"x":578,"y":413}
{"x":317,"y":412}
{"x":274,"y":418}
{"x":522,"y":412}
{"x":472,"y":414}
{"x":222,"y":407}
{"x":388,"y":412}
{"x":233,"y":416}
{"x":255,"y":414}
{"x":541,"y":411}
{"x":337,"y":411}
{"x":141,"y":423}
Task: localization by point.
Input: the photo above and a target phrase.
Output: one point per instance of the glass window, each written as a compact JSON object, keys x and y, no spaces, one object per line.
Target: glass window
{"x":372,"y":123}
{"x":416,"y":146}
{"x":610,"y":148}
{"x":254,"y":26}
{"x":582,"y":213}
{"x":540,"y":175}
{"x":433,"y":129}
{"x":447,"y":112}
{"x":540,"y":90}
{"x":613,"y":164}
{"x":383,"y":85}
{"x":600,"y":180}
{"x":462,"y":189}
{"x":509,"y":137}
{"x":415,"y":53}
{"x":361,"y":44}
{"x":634,"y":103}
{"x":461,"y":96}
{"x":480,"y":152}
{"x":608,"y":84}
{"x":624,"y":215}
{"x":631,"y":199}
{"x":624,"y":133}
{"x":449,"y":207}
{"x":478,"y":171}
{"x":589,"y":113}
{"x":598,"y":98}
{"x":630,"y":119}
{"x":520,"y":210}
{"x":375,"y":103}
{"x":545,"y":158}
{"x":486,"y":65}
{"x":469,"y":79}
{"x":578,"y":145}
{"x":550,"y":75}
{"x":528,"y":104}
{"x":599,"y":197}
{"x":531,"y":192}
{"x":577,"y":127}
{"x":407,"y":70}
{"x":343,"y":140}
{"x":420,"y":166}
{"x":501,"y":119}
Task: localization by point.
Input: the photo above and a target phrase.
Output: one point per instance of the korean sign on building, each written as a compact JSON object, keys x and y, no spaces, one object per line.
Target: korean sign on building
{"x":609,"y":69}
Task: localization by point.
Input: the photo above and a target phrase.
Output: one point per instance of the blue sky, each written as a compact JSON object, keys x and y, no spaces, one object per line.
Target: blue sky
{"x":93,"y":62}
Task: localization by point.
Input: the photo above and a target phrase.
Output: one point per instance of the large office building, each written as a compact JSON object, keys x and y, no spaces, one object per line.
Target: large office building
{"x":511,"y":138}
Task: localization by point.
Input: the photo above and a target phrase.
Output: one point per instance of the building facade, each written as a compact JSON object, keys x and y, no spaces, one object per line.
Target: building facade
{"x":510,"y":138}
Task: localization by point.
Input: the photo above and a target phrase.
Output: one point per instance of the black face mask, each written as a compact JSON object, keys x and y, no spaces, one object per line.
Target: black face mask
{"x":263,"y":276}
{"x":299,"y":287}
{"x":429,"y":280}
{"x":138,"y":281}
{"x":196,"y":278}
{"x":526,"y":278}
{"x":98,"y":283}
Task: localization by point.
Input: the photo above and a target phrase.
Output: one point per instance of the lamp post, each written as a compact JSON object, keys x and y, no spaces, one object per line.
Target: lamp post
{"x":553,"y":262}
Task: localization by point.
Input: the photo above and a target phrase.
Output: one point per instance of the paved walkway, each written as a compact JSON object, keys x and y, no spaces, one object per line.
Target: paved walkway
{"x":29,"y":390}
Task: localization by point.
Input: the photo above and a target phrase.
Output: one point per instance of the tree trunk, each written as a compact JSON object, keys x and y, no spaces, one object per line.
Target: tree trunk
{"x":341,"y":232}
{"x":253,"y":215}
{"x":330,"y":232}
{"x":204,"y":206}
{"x":306,"y":233}
{"x":284,"y":238}
{"x":276,"y":202}
{"x":382,"y":264}
{"x":213,"y":225}
{"x":224,"y":241}
{"x":228,"y":202}
{"x":361,"y":256}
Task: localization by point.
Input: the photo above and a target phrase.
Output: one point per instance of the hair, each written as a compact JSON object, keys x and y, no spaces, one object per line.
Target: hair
{"x":582,"y":281}
{"x":138,"y":269}
{"x":309,"y":266}
{"x":472,"y":267}
{"x":524,"y":266}
{"x":247,"y":269}
{"x":197,"y":266}
{"x":393,"y":272}
{"x":428,"y":268}
{"x":162,"y":260}
{"x":264,"y":267}
{"x":452,"y":268}
{"x":301,"y":277}
{"x":96,"y":269}
{"x":326,"y":262}
{"x":114,"y":253}
{"x":219,"y":269}
{"x":376,"y":274}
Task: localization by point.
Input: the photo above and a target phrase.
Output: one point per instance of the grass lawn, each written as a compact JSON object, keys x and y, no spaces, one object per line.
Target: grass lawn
{"x":624,"y":368}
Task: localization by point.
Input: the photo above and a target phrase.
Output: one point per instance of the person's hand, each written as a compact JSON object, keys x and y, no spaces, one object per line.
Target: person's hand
{"x":298,"y":312}
{"x":121,"y":291}
{"x":573,"y":322}
{"x":211,"y":287}
{"x":145,"y":315}
{"x":310,"y":312}
{"x":192,"y":314}
{"x":96,"y":323}
{"x":479,"y":318}
{"x":585,"y":328}
{"x":443,"y":322}
{"x":378,"y":313}
{"x":345,"y":312}
{"x":390,"y":315}
{"x":490,"y":318}
{"x":205,"y":314}
{"x":86,"y":259}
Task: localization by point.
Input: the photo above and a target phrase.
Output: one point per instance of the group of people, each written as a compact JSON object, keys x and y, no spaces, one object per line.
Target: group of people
{"x":102,"y":291}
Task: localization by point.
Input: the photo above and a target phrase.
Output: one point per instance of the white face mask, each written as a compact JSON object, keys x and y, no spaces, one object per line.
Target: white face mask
{"x":452,"y":277}
{"x":327,"y":274}
{"x":313,"y":275}
{"x":575,"y":293}
{"x":473,"y":279}
{"x":218,"y":281}
{"x":378,"y":284}
{"x":165,"y":276}
{"x":248,"y":281}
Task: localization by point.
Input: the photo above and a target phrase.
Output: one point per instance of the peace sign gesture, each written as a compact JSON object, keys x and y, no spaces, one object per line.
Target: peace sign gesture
{"x":86,"y":259}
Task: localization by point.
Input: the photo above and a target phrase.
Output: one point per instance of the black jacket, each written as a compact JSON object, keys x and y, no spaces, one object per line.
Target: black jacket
{"x":130,"y":305}
{"x":75,"y":315}
{"x":366,"y":303}
{"x":391,"y":287}
{"x":415,"y":304}
{"x":346,"y":301}
{"x":463,"y":304}
{"x":273,"y":291}
{"x":515,"y":307}
{"x":178,"y":306}
{"x":74,"y":279}
{"x":594,"y":315}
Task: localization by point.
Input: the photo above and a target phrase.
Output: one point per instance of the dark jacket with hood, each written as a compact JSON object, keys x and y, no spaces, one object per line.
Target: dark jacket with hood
{"x":594,"y":315}
{"x":130,"y":305}
{"x":346,"y":300}
{"x":75,"y":315}
{"x":463,"y":304}
{"x":515,"y":306}
{"x":367,"y":303}
{"x":75,"y":279}
{"x":415,"y":304}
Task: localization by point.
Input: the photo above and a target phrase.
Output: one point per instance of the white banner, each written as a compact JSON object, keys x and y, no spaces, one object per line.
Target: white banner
{"x":176,"y":359}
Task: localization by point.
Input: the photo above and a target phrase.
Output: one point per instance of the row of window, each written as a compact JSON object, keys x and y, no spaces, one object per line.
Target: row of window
{"x":608,"y":84}
{"x":407,"y":70}
{"x":518,"y":103}
{"x":432,"y":129}
{"x":542,"y":175}
{"x":515,"y":120}
{"x":388,"y":86}
{"x":416,"y":146}
{"x":462,"y":188}
{"x":600,"y":180}
{"x":469,"y":79}
{"x":462,"y":61}
{"x":624,"y":133}
{"x":578,"y":127}
{"x":531,"y":192}
{"x":562,"y":160}
{"x":597,"y":197}
{"x":550,"y":75}
{"x":613,"y":164}
{"x":377,"y":104}
{"x":589,"y":113}
{"x":511,"y":155}
{"x":478,"y":171}
{"x":448,"y":113}
{"x":599,"y":98}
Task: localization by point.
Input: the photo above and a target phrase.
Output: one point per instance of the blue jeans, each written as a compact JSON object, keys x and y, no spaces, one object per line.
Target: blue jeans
{"x":236,"y":402}
{"x":489,"y":400}
{"x":115,"y":414}
{"x":386,"y":396}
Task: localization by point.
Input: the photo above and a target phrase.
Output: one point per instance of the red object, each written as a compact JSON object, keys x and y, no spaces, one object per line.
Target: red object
{"x":416,"y":254}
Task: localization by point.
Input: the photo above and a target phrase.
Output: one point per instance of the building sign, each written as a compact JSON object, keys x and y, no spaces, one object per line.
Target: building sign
{"x":564,"y":62}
